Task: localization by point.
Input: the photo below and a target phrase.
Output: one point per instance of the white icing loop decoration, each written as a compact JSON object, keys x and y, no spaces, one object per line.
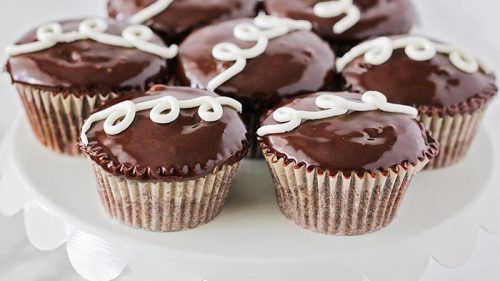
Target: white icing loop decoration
{"x":120,"y":116}
{"x":134,"y":36}
{"x":335,"y":8}
{"x":416,"y":48}
{"x":139,"y":36}
{"x":125,"y":110}
{"x":150,"y":11}
{"x":263,"y":29}
{"x":332,"y":106}
{"x":378,"y":51}
{"x":166,"y":103}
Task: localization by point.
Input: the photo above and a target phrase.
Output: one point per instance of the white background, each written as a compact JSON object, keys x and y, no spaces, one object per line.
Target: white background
{"x":471,"y":23}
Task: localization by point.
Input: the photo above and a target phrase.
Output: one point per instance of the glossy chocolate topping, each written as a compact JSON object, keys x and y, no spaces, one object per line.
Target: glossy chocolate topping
{"x":296,"y":63}
{"x":183,"y":16}
{"x":357,"y":141}
{"x":87,"y":66}
{"x":378,"y":17}
{"x":185,"y":149}
{"x":428,"y":85}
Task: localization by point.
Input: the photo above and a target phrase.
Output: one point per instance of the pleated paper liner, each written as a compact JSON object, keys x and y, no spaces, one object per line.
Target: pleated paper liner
{"x":57,"y":118}
{"x":454,"y":133}
{"x":337,"y":204}
{"x":165,"y":206}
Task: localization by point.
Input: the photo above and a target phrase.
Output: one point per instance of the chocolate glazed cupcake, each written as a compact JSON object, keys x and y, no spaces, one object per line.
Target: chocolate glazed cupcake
{"x":61,"y":84}
{"x":295,"y":63}
{"x":346,"y":23}
{"x":165,"y":171}
{"x":450,"y":88}
{"x":343,"y":166}
{"x":174,"y":20}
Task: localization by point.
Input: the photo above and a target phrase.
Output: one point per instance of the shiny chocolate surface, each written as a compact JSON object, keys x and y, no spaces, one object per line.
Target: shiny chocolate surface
{"x":184,"y":16}
{"x":187,"y":148}
{"x":356,"y":141}
{"x":378,"y":17}
{"x":296,"y":63}
{"x":87,"y":66}
{"x":436,"y":83}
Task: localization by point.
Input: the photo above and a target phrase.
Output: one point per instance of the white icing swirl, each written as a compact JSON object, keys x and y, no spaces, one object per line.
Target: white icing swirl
{"x":263,"y":29}
{"x":120,"y":116}
{"x":134,"y":36}
{"x":335,"y":8}
{"x":332,"y":105}
{"x":150,"y":11}
{"x":378,"y":51}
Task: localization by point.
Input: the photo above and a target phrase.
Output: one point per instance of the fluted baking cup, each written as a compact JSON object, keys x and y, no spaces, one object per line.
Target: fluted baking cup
{"x":165,"y":206}
{"x":336,"y":203}
{"x":57,"y":117}
{"x":455,"y":134}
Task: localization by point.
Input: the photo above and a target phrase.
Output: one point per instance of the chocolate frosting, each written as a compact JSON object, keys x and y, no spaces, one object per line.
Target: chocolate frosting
{"x":431,"y":86}
{"x":378,"y":18}
{"x":87,"y":66}
{"x":355,"y":142}
{"x":299,"y":62}
{"x":185,"y":149}
{"x":183,"y":16}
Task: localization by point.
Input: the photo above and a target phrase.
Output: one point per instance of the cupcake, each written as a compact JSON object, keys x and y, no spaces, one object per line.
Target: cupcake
{"x":258,"y":62}
{"x":450,"y":87}
{"x":341,"y":163}
{"x":168,"y":163}
{"x":174,"y":20}
{"x":346,"y":23}
{"x":63,"y":71}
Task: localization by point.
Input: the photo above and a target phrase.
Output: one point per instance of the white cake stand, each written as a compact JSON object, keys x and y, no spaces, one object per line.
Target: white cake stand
{"x":250,"y":240}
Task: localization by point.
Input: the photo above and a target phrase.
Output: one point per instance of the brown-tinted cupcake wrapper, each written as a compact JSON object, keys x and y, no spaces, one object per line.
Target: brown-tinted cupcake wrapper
{"x":56,"y":117}
{"x":455,"y":135}
{"x":339,"y":204}
{"x":165,"y":206}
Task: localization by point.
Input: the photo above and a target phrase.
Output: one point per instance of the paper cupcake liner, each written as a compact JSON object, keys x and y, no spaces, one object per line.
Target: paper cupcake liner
{"x":56,"y":117}
{"x":337,"y":204}
{"x":455,"y":135}
{"x":165,"y":206}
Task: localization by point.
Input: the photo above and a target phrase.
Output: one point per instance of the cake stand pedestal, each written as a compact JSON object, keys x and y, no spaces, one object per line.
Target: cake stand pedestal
{"x":250,"y":240}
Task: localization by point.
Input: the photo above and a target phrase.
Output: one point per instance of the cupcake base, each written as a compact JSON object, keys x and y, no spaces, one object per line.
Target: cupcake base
{"x":455,"y":135}
{"x":336,"y":204}
{"x":165,"y":206}
{"x":56,"y":117}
